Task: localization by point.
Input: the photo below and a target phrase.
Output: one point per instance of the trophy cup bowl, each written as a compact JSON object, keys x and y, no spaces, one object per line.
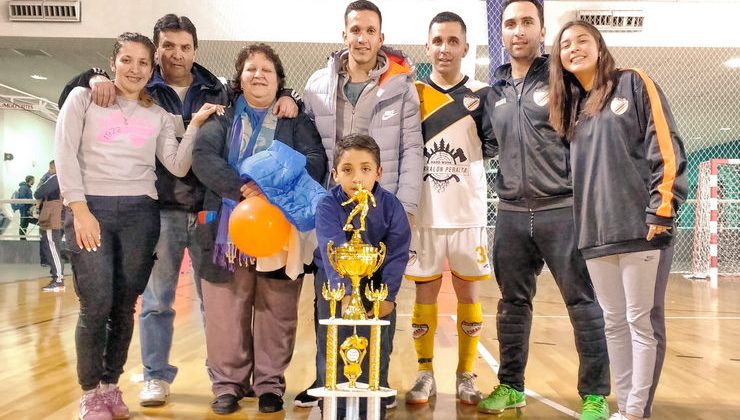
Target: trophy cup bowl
{"x":356,"y":260}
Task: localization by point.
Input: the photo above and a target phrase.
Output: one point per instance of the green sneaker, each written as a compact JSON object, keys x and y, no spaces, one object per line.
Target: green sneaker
{"x":594,"y":407}
{"x":502,"y":398}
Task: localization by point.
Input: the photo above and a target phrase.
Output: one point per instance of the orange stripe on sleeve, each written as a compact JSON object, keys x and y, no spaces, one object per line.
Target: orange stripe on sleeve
{"x":665,"y":145}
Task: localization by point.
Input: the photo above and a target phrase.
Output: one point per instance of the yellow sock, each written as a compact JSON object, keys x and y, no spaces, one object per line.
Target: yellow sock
{"x":424,"y":324}
{"x":469,"y":321}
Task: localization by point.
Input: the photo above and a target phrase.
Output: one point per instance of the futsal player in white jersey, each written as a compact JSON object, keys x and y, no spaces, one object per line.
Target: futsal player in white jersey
{"x":452,"y":213}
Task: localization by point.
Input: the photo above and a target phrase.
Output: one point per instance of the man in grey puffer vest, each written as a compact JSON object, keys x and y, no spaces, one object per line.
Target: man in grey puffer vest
{"x":367,"y":88}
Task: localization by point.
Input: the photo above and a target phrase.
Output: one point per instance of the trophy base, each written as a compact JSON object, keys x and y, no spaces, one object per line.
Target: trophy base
{"x":361,"y":390}
{"x":351,"y":322}
{"x":353,"y":395}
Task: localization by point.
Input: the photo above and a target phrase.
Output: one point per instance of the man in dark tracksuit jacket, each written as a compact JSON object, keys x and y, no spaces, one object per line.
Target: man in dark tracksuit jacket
{"x":534,"y":225}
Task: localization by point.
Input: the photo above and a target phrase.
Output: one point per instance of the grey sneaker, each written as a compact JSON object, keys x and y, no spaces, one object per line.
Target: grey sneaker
{"x":465,"y":386}
{"x":154,"y":393}
{"x":424,"y":388}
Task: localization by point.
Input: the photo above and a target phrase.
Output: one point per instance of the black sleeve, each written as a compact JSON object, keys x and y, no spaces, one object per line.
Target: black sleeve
{"x":47,"y":188}
{"x":82,"y":80}
{"x":308,"y":141}
{"x":490,"y":144}
{"x":209,"y":161}
{"x":293,"y":94}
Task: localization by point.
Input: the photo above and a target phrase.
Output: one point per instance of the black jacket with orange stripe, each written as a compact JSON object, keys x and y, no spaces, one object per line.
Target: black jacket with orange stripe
{"x":629,"y":170}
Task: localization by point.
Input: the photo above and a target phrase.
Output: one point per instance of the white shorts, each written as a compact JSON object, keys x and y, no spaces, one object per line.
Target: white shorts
{"x":466,"y":251}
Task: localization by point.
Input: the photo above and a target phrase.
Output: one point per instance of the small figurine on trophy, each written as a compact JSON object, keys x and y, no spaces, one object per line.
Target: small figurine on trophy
{"x":360,"y":197}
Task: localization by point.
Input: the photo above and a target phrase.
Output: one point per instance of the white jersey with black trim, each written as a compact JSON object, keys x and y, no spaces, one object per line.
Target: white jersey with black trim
{"x":454,"y":185}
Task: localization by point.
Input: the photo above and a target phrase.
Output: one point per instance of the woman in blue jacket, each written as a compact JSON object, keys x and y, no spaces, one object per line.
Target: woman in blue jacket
{"x":629,"y":179}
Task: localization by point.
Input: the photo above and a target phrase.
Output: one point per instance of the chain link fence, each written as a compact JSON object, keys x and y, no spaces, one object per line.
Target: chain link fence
{"x":702,"y":96}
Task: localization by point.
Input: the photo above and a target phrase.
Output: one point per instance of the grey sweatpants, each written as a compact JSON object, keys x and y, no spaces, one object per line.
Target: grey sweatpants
{"x":250,"y":330}
{"x":631,"y":291}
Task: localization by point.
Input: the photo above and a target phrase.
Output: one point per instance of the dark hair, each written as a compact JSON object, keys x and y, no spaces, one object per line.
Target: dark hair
{"x":537,"y":4}
{"x":144,"y":98}
{"x":171,"y":22}
{"x":357,"y":142}
{"x":51,"y":162}
{"x":443,"y":17}
{"x":29,"y":178}
{"x":360,"y":5}
{"x":247,"y":52}
{"x":565,"y":90}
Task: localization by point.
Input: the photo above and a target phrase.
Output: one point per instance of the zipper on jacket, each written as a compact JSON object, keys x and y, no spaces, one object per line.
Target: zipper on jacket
{"x":522,"y":148}
{"x":531,"y":223}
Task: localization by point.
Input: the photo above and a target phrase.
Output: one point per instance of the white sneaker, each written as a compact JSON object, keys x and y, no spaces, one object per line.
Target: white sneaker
{"x":423,"y":389}
{"x":154,"y":393}
{"x":617,"y":416}
{"x":465,"y":386}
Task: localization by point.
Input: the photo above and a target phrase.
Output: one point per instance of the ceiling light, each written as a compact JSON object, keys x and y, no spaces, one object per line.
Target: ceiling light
{"x":733,"y":63}
{"x":38,"y":77}
{"x":725,"y":129}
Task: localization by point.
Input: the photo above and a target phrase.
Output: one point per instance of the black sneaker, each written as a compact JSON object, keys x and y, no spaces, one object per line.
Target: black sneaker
{"x":389,"y":402}
{"x":270,"y":403}
{"x":225,"y":404}
{"x":304,"y":400}
{"x":54,"y":286}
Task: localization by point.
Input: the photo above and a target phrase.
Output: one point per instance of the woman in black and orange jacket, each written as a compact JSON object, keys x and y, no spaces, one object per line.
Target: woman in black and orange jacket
{"x":629,"y":179}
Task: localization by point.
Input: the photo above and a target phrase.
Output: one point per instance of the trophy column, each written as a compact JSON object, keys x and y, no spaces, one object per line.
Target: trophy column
{"x":359,"y":390}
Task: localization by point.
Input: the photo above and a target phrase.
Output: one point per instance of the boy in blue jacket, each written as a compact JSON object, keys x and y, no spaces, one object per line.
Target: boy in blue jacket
{"x":357,"y":160}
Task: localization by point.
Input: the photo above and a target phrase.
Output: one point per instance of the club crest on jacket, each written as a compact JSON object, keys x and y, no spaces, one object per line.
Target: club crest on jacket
{"x":541,"y":97}
{"x":619,"y":105}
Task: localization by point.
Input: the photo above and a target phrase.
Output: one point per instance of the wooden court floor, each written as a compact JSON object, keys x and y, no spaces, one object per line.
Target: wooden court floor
{"x":38,"y":380}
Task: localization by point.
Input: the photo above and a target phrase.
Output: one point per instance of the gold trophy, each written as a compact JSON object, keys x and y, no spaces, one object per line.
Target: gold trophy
{"x":357,"y":259}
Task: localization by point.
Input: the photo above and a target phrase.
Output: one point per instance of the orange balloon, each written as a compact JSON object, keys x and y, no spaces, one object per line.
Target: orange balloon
{"x":258,"y":228}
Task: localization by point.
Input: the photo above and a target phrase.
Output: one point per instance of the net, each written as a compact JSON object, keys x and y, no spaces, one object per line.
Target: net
{"x":716,"y":245}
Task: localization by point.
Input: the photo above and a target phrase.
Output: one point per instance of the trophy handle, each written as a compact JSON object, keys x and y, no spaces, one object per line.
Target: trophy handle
{"x":332,"y":256}
{"x":381,"y":257}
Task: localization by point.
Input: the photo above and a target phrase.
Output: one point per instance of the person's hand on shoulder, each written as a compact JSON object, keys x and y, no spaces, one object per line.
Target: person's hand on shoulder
{"x":285,"y":107}
{"x":206,"y":111}
{"x":103,"y":91}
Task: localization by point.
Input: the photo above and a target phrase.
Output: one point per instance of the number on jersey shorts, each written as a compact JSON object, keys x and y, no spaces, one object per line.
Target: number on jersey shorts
{"x":466,"y":249}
